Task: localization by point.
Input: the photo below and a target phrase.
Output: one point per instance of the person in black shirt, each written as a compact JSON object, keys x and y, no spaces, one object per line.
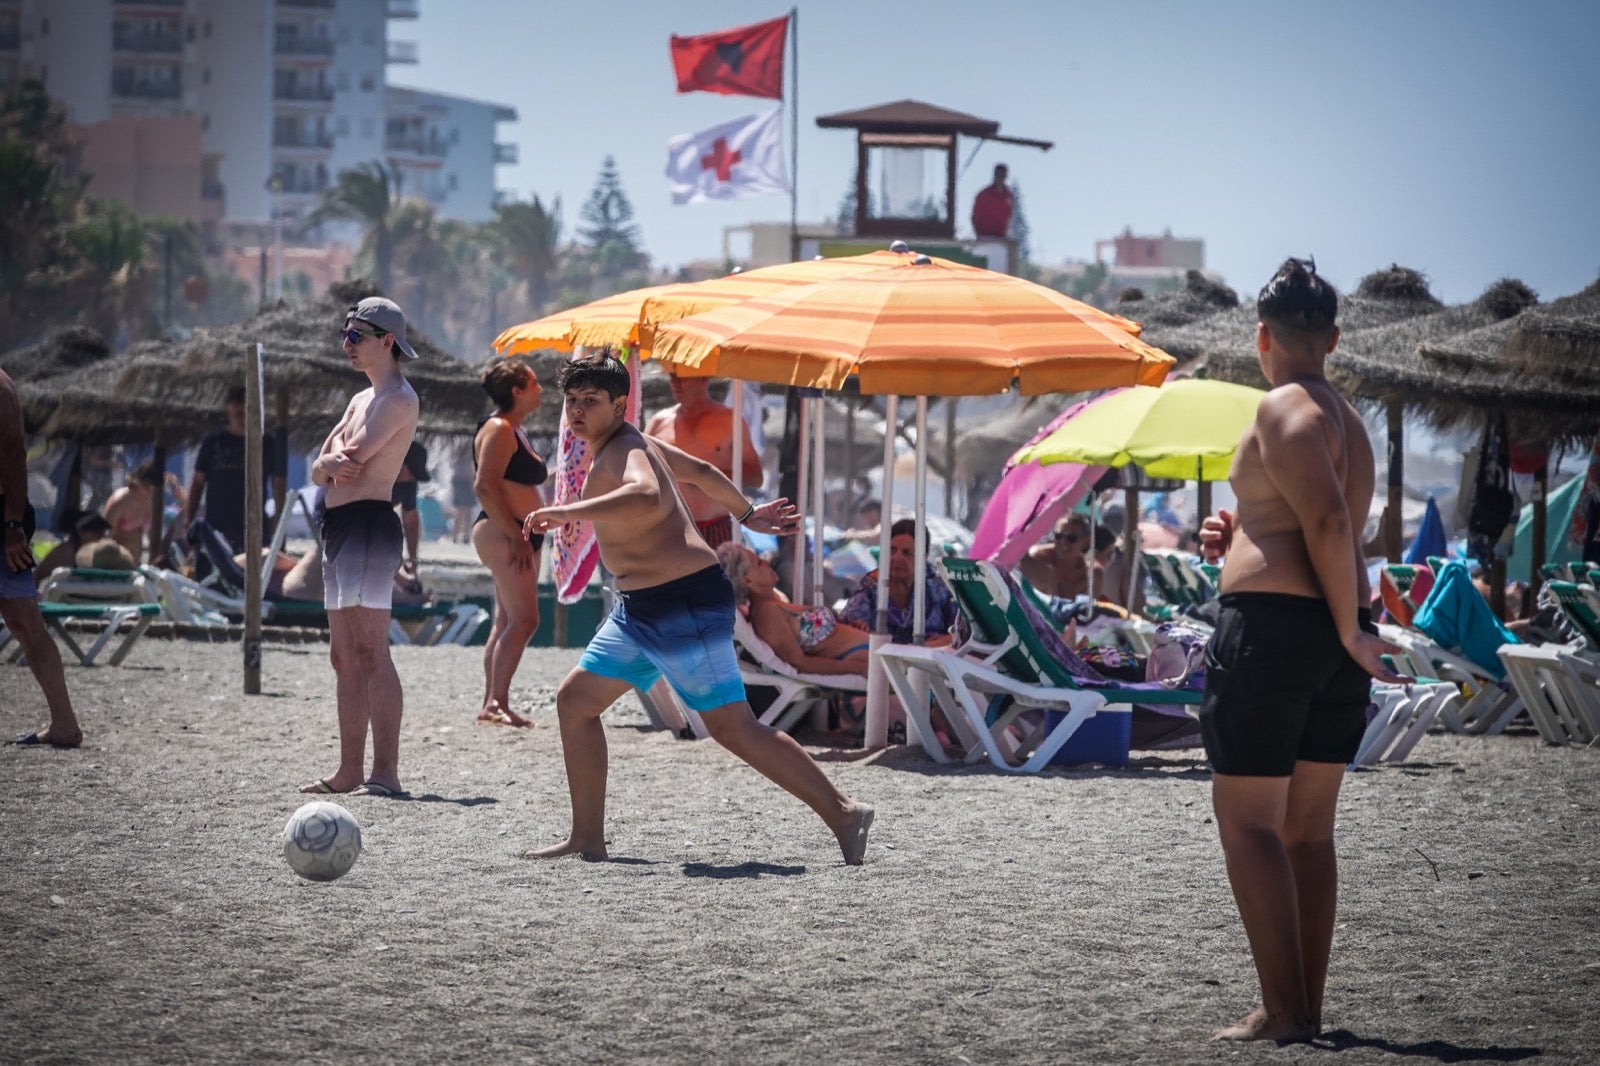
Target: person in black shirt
{"x":218,"y":479}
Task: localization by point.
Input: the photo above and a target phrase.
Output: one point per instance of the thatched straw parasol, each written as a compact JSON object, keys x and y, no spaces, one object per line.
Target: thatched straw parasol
{"x":1559,"y":341}
{"x":304,"y":363}
{"x":1199,"y":298}
{"x":1227,"y":341}
{"x":62,"y":353}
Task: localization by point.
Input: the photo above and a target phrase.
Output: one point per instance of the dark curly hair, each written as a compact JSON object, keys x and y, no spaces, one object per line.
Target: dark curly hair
{"x":597,"y":370}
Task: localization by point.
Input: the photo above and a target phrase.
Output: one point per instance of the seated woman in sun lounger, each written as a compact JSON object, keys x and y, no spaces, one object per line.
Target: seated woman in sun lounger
{"x":810,"y":639}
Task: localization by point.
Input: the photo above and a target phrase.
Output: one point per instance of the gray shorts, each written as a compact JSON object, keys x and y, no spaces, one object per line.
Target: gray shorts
{"x":361,"y":548}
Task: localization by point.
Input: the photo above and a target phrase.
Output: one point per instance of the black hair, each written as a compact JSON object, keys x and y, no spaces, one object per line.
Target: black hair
{"x":869,"y":504}
{"x":146,"y":473}
{"x":598,"y":370}
{"x":1103,"y":538}
{"x":499,"y":381}
{"x":236,"y":394}
{"x":1298,"y":302}
{"x":907,"y":527}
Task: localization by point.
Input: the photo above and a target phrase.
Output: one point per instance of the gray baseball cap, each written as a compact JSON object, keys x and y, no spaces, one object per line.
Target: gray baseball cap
{"x":385,"y":315}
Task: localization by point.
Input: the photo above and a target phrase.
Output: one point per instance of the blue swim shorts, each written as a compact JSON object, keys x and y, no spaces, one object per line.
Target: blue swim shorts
{"x":682,"y":630}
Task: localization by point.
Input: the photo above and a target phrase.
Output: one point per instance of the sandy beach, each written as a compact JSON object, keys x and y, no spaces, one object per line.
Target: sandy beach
{"x":1077,"y":916}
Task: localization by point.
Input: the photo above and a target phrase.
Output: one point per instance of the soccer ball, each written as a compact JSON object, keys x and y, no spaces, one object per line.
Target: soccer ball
{"x":322,"y":841}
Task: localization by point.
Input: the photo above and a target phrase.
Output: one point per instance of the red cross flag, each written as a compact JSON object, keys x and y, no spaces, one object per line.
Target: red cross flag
{"x":727,"y":162}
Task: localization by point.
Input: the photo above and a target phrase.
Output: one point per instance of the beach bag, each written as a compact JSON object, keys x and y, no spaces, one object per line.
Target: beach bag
{"x":1178,"y":657}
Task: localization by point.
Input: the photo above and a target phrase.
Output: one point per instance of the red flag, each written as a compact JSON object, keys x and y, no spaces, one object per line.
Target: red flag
{"x":747,"y":61}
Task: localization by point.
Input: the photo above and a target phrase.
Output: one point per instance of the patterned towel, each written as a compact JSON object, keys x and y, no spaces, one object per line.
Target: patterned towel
{"x":577,"y":553}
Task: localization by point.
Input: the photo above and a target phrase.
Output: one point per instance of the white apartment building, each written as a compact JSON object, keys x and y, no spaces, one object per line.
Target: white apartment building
{"x":443,"y":150}
{"x":288,"y":93}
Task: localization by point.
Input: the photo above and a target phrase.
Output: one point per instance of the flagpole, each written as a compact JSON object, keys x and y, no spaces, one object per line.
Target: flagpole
{"x":794,"y":133}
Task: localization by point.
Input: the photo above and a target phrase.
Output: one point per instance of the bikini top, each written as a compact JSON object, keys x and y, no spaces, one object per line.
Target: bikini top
{"x":816,"y":625}
{"x":525,"y":467}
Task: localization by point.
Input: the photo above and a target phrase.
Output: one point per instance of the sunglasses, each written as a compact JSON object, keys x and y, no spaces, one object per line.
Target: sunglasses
{"x":1068,"y":538}
{"x":355,"y":336}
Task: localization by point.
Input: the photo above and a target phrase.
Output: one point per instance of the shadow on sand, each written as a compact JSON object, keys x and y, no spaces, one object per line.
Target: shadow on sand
{"x":744,"y":869}
{"x":1442,"y":1050}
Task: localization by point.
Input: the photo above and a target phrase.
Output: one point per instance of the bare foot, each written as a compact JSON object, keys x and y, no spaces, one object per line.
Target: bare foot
{"x":1259,"y":1025}
{"x":568,"y":847}
{"x":852,"y":834}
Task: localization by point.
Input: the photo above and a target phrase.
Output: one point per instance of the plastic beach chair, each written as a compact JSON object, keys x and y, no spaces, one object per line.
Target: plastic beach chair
{"x":1013,"y":653}
{"x":56,"y":615}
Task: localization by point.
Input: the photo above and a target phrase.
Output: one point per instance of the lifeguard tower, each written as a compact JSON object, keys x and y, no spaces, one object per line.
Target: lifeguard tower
{"x":906,"y":183}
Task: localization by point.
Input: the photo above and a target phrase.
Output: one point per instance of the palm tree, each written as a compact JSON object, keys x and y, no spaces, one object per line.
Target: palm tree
{"x":364,"y":194}
{"x":531,"y":237}
{"x":113,"y":246}
{"x":420,"y":254}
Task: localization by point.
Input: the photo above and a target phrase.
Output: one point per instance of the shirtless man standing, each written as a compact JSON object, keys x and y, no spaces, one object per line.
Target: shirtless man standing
{"x":674,"y":612}
{"x":1287,"y":678}
{"x":361,"y":541}
{"x":703,"y":427}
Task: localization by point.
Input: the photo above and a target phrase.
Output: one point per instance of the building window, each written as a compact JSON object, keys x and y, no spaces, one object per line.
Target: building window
{"x":369,"y":35}
{"x":344,"y":81}
{"x":451,"y":183}
{"x":368,"y":83}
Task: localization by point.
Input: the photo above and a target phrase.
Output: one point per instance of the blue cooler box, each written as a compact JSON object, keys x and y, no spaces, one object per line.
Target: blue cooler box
{"x":1103,"y":739}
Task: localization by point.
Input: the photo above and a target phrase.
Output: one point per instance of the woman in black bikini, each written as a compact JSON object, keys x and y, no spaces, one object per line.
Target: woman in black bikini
{"x":507,"y":477}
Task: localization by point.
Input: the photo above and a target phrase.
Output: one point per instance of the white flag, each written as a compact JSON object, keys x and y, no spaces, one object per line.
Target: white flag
{"x":727,"y":162}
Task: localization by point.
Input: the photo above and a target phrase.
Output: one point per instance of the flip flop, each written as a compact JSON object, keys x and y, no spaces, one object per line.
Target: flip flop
{"x":320,"y":787}
{"x":503,"y":717}
{"x":382,"y":791}
{"x":34,"y":740}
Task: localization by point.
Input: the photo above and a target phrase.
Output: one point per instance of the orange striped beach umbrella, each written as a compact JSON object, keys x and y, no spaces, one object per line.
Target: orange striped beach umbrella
{"x":610,"y":322}
{"x":628,"y":317}
{"x":923,"y":327}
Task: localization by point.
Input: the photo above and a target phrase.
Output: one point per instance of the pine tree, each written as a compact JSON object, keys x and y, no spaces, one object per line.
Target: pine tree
{"x":608,"y":228}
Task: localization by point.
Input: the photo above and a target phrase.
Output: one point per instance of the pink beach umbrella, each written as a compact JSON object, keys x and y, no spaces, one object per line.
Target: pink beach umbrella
{"x":1030,"y":499}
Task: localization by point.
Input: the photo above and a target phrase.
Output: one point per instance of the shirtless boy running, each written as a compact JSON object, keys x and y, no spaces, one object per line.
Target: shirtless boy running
{"x":674,"y":612}
{"x":1287,"y":679}
{"x":361,"y":540}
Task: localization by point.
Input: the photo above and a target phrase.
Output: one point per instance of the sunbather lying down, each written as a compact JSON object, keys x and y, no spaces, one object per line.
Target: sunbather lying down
{"x":300,"y":578}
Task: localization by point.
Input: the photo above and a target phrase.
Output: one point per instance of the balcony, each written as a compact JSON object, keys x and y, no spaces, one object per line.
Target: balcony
{"x":302,"y":185}
{"x":130,"y":87}
{"x":401,"y":52}
{"x":289,"y":44}
{"x":429,"y":146}
{"x":151,"y":3}
{"x":505,"y":153}
{"x":303,"y":93}
{"x":160,"y":43}
{"x":323,"y":5}
{"x":401,"y":9}
{"x":307,"y":140}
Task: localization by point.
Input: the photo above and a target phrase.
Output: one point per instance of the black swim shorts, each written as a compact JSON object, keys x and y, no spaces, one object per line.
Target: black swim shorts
{"x":1280,"y":687}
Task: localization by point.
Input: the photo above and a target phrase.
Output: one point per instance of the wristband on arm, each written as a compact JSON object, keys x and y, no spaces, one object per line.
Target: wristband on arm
{"x":748,"y":511}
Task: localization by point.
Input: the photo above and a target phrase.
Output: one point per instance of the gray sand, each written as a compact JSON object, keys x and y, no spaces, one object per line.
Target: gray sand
{"x":1077,"y":916}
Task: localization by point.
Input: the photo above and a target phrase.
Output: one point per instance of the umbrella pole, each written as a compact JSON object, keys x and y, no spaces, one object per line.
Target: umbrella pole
{"x":1130,"y":526}
{"x":797,"y":582}
{"x":818,"y":497}
{"x":949,"y":457}
{"x":877,"y":731}
{"x":736,"y":397}
{"x":847,"y":516}
{"x":1397,"y":479}
{"x":1536,"y":550}
{"x":158,"y":496}
{"x":919,"y":588}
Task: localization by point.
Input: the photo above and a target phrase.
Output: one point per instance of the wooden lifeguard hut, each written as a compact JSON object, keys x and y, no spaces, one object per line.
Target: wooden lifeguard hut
{"x":906,"y":173}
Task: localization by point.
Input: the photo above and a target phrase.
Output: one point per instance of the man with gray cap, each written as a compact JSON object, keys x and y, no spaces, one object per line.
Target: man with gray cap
{"x":361,"y":541}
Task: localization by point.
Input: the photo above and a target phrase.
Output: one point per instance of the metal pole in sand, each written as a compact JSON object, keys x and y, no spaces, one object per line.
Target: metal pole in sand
{"x":252,"y":522}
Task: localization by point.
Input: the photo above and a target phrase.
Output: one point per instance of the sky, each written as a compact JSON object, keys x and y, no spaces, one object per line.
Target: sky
{"x":1457,"y":137}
